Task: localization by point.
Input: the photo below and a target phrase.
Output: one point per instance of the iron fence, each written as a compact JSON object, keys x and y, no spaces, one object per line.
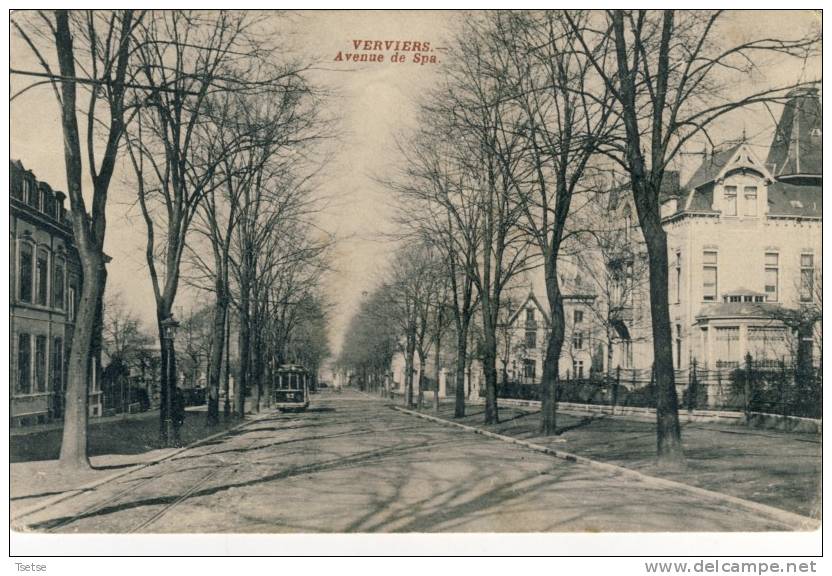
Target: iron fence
{"x":768,"y":386}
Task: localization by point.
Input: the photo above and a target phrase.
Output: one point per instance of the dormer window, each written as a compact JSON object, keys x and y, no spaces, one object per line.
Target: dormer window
{"x":730,"y":200}
{"x":750,"y":193}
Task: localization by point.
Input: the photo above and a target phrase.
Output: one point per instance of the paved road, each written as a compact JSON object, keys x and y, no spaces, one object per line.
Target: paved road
{"x":352,"y":464}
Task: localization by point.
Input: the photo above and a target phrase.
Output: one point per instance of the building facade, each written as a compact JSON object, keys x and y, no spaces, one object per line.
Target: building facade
{"x":744,"y":250}
{"x":524,"y":336}
{"x":44,"y":290}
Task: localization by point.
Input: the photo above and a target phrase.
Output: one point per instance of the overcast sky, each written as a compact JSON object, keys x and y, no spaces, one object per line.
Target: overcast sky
{"x":376,"y":103}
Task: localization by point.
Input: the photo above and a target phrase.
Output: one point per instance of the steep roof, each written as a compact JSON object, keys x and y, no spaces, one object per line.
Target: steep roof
{"x":797,"y":145}
{"x":712,"y":165}
{"x":671,"y":188}
{"x":533,"y":299}
{"x":786,"y":199}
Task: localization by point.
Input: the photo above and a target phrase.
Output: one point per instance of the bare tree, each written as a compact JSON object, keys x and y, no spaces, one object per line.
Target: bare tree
{"x":201,"y":57}
{"x":98,"y":44}
{"x":614,"y":266}
{"x":565,"y":115}
{"x":438,"y":205}
{"x":673,"y":74}
{"x":485,"y":122}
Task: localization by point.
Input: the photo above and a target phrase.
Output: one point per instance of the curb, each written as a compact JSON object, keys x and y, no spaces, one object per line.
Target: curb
{"x":96,"y":483}
{"x":791,"y":519}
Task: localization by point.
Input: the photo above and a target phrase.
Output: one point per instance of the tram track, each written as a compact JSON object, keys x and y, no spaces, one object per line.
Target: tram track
{"x":122,"y":497}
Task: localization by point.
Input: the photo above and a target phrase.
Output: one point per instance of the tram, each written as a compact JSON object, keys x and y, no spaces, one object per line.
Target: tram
{"x":291,"y":391}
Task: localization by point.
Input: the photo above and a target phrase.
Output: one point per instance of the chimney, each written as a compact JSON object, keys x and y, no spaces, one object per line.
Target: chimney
{"x":60,"y":211}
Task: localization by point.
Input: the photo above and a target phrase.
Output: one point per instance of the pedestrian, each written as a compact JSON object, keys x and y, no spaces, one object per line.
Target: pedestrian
{"x":178,"y":415}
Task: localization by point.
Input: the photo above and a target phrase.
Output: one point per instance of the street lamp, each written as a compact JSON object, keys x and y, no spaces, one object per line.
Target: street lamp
{"x":169,"y":326}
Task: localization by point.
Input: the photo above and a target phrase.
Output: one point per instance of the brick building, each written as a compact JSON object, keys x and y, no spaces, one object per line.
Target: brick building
{"x":44,"y":290}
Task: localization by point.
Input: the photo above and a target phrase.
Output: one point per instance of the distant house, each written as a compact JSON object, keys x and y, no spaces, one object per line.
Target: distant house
{"x":524,"y":336}
{"x":44,"y":290}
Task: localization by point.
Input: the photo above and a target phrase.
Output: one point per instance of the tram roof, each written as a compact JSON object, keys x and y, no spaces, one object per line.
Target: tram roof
{"x":291,"y":368}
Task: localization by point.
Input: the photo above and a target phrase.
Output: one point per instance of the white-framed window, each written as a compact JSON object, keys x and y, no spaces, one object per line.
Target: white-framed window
{"x":678,"y":276}
{"x":577,"y":316}
{"x":578,"y":340}
{"x":726,"y":345}
{"x":730,"y":195}
{"x":772,"y":276}
{"x":709,"y":275}
{"x":578,"y":369}
{"x":70,"y":308}
{"x":750,"y":200}
{"x":678,"y":345}
{"x":531,"y":339}
{"x":807,"y":277}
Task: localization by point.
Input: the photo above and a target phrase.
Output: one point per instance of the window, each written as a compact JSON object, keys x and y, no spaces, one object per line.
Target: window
{"x":578,"y":369}
{"x":24,"y":364}
{"x":628,"y":224}
{"x":678,"y":285}
{"x":709,"y":275}
{"x":58,"y":284}
{"x":750,"y":193}
{"x":772,"y":276}
{"x":678,"y":346}
{"x":72,"y":296}
{"x":531,"y":339}
{"x":529,"y":316}
{"x":40,"y":364}
{"x":32,"y":199}
{"x":43,"y":277}
{"x":529,"y":368}
{"x":57,"y":368}
{"x":726,"y":346}
{"x":26,"y":254}
{"x":578,"y":341}
{"x":807,"y":277}
{"x":577,"y":316}
{"x":730,"y":194}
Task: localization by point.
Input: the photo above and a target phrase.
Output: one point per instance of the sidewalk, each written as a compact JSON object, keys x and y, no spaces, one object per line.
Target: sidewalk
{"x":113,"y":444}
{"x":780,"y":469}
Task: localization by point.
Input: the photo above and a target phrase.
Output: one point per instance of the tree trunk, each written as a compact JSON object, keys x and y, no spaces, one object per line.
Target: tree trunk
{"x":668,"y":432}
{"x":215,"y":362}
{"x":490,"y":368}
{"x":420,"y":396}
{"x":461,"y":356}
{"x":76,"y":411}
{"x":437,"y":372}
{"x":243,"y":376}
{"x":226,"y":367}
{"x":408,"y":371}
{"x":548,"y":421}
